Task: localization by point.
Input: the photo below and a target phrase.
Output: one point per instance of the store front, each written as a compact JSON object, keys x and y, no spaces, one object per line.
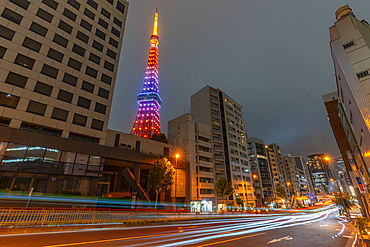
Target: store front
{"x":201,"y":206}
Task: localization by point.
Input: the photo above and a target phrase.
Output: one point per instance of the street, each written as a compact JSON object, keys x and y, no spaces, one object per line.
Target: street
{"x":306,"y":229}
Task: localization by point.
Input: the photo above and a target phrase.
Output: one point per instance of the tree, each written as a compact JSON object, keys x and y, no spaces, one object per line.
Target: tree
{"x":280,"y":193}
{"x":161,"y":177}
{"x":239,"y":201}
{"x":223,"y":187}
{"x":159,"y":138}
{"x":339,"y":202}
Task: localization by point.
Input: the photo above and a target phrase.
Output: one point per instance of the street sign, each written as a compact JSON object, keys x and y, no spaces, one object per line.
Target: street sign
{"x":359,"y":181}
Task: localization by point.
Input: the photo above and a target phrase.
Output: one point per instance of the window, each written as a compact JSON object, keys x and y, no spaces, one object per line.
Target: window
{"x":66,"y":27}
{"x":12,"y":16}
{"x":38,"y":29}
{"x":87,"y":86}
{"x":89,"y":14}
{"x":51,"y":3}
{"x":362,"y":74}
{"x":108,"y":66}
{"x":59,"y":114}
{"x":21,"y":3}
{"x":94,"y":58}
{"x":43,"y":88}
{"x":117,"y":22}
{"x":79,"y":50}
{"x":111,"y":53}
{"x":9,"y":100}
{"x":205,"y":191}
{"x":44,"y":15}
{"x":56,"y":55}
{"x":110,"y":1}
{"x":100,"y":108}
{"x":120,"y":7}
{"x":24,"y":61}
{"x":2,"y":51}
{"x":49,"y":71}
{"x":74,"y":64}
{"x":103,"y":23}
{"x":65,"y":96}
{"x":82,"y":37}
{"x":105,"y":13}
{"x":69,"y":14}
{"x":97,"y":46}
{"x":100,"y":34}
{"x":92,"y":3}
{"x":97,"y":124}
{"x":70,"y":79}
{"x":116,"y":32}
{"x":74,"y":3}
{"x":113,"y":42}
{"x":79,"y":119}
{"x":91,"y":72}
{"x":106,"y":79}
{"x":348,"y":45}
{"x":36,"y":108}
{"x":16,"y":80}
{"x":83,"y":102}
{"x":31,"y":44}
{"x":85,"y":25}
{"x":6,"y":33}
{"x":103,"y":93}
{"x":60,"y":40}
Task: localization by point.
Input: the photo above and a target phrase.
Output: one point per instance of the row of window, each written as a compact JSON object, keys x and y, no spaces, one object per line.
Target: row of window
{"x":11,"y":101}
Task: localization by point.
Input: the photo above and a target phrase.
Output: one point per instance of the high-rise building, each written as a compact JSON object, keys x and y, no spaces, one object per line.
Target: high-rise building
{"x":147,"y":118}
{"x":195,"y":139}
{"x":59,"y":61}
{"x":214,"y":108}
{"x":348,"y":108}
{"x":261,"y":172}
{"x":321,"y":172}
{"x":276,"y":166}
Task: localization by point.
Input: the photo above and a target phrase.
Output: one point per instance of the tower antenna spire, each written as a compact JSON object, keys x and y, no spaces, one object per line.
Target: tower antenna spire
{"x":147,"y":118}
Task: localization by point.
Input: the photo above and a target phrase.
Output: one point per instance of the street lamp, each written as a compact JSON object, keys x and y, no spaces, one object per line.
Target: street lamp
{"x":176,"y":156}
{"x":328,"y":159}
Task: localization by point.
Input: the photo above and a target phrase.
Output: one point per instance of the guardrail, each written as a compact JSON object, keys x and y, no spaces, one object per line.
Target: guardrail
{"x":15,"y":216}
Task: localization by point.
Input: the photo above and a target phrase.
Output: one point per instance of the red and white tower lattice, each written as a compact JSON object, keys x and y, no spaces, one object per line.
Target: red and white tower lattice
{"x":147,"y":117}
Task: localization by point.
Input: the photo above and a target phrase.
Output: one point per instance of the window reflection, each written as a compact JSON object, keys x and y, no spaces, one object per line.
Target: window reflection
{"x":33,"y":159}
{"x":13,"y":157}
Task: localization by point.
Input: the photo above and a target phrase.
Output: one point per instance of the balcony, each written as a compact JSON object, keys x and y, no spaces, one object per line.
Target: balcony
{"x":220,"y":167}
{"x":214,"y":100}
{"x":219,"y":157}
{"x":250,"y":146}
{"x":216,"y":139}
{"x":216,"y":131}
{"x":215,"y":107}
{"x":250,"y":152}
{"x":217,"y":148}
{"x":215,"y":115}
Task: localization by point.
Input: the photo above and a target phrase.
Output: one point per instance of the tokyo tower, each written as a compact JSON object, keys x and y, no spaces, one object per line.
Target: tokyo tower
{"x":147,"y":117}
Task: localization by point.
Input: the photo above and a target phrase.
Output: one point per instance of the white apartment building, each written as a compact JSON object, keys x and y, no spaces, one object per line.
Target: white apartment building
{"x":195,"y":139}
{"x":58,"y":65}
{"x":214,"y":108}
{"x":350,"y":50}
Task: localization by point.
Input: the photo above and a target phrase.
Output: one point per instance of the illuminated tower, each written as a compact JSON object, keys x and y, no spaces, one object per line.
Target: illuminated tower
{"x":147,"y":118}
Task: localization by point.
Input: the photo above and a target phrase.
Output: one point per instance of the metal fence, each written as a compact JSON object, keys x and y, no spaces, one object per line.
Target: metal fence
{"x":14,"y":216}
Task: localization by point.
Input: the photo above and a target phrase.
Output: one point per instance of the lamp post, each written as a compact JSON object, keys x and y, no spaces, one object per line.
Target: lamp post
{"x":328,"y":159}
{"x":176,"y":156}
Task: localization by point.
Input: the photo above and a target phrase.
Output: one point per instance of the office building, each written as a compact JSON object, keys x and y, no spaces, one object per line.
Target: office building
{"x":263,"y":184}
{"x":59,"y":61}
{"x":214,"y":108}
{"x":321,"y":172}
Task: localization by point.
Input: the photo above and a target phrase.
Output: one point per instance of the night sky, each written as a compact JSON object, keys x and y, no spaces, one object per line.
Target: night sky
{"x":272,"y":57}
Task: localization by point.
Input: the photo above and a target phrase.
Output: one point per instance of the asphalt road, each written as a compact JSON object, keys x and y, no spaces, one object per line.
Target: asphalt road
{"x":310,"y":229}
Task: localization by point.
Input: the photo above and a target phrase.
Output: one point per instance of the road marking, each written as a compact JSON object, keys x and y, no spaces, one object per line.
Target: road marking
{"x":323,"y":225}
{"x":108,"y":240}
{"x":278,"y":240}
{"x":231,"y":240}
